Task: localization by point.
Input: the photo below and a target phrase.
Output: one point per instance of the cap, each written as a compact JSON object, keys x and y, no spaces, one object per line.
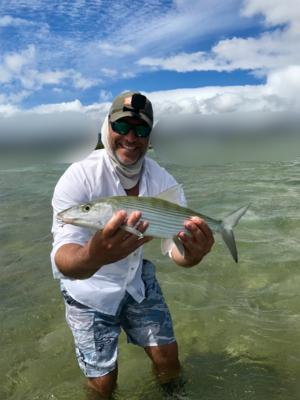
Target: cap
{"x":131,"y":104}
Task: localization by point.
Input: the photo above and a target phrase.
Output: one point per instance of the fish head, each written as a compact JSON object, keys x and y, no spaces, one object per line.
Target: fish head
{"x":88,"y":215}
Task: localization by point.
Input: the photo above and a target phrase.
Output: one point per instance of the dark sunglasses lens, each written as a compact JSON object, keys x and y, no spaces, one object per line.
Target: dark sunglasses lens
{"x":142,"y":131}
{"x":122,"y":128}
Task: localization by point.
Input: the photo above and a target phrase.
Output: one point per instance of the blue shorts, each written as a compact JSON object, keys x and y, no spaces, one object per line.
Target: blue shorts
{"x":96,"y":334}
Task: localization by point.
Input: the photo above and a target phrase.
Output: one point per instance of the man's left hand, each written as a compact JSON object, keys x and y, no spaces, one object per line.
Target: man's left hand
{"x":196,"y":244}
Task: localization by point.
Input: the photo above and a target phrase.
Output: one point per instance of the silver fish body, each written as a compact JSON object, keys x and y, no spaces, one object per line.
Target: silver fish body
{"x":165,"y":218}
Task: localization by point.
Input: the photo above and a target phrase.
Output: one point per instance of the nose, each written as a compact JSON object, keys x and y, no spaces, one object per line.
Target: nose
{"x":130,"y":137}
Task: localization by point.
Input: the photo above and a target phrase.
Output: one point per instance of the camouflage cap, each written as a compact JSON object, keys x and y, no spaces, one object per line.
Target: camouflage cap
{"x":131,"y":104}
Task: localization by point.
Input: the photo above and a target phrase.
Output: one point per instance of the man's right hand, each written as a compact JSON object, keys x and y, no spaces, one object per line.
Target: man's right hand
{"x":114,"y":243}
{"x":106,"y":246}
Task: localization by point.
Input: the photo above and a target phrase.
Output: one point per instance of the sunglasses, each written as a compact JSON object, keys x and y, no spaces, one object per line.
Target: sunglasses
{"x":123,"y":128}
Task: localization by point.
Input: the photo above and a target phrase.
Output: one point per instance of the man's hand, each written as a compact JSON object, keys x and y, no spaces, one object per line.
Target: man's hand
{"x":196,"y":244}
{"x":114,"y":243}
{"x":106,"y":246}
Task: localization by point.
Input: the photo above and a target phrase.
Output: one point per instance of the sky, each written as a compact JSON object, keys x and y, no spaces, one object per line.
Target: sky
{"x":199,"y":56}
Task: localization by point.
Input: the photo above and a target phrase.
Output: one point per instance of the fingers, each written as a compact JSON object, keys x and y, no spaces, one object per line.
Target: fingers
{"x":200,"y":231}
{"x":113,"y":225}
{"x":204,"y":228}
{"x":200,"y":238}
{"x":134,"y":220}
{"x":113,"y":243}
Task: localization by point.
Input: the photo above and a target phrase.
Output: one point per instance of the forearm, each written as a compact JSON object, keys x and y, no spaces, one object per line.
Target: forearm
{"x":74,"y":261}
{"x":105,"y":247}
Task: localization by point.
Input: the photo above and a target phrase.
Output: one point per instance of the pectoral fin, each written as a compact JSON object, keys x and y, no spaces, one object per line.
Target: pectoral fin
{"x":179,"y":245}
{"x":167,"y":244}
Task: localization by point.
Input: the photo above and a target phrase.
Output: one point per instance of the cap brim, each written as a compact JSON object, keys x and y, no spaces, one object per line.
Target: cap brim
{"x":122,"y":114}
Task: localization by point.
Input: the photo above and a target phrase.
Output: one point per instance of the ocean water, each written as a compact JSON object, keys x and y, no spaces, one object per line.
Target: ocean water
{"x":237,"y":325}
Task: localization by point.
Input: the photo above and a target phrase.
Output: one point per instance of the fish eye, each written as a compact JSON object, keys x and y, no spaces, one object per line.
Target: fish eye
{"x":86,"y":207}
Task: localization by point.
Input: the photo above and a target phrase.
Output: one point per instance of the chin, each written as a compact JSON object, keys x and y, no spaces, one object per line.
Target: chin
{"x":127,"y":160}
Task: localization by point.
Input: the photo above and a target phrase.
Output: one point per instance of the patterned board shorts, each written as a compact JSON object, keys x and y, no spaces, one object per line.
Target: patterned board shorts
{"x":96,"y":334}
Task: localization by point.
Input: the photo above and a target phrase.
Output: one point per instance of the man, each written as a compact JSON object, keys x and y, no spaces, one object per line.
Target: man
{"x":105,"y":282}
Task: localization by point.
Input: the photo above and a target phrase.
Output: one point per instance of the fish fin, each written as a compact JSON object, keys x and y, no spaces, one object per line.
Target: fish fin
{"x":132,"y":230}
{"x":173,"y":194}
{"x":179,"y":245}
{"x":227,"y":233}
{"x":166,"y":246}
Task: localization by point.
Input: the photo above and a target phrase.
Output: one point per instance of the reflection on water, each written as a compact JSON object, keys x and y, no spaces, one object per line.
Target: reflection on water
{"x":238,"y":326}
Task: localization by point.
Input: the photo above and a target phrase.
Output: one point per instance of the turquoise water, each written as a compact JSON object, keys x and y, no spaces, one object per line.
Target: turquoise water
{"x":237,"y":325}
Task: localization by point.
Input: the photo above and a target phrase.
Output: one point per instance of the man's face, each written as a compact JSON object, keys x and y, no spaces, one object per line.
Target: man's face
{"x":128,"y":149}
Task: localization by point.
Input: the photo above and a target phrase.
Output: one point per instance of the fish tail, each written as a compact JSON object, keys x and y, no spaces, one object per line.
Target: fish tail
{"x":226,"y":231}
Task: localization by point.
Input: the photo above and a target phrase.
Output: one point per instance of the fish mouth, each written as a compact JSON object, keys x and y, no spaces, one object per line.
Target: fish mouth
{"x":64,"y":220}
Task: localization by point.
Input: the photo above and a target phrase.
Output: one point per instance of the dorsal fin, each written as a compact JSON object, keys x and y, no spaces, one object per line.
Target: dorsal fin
{"x":173,"y":194}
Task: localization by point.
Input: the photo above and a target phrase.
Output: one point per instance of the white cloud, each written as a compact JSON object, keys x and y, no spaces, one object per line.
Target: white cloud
{"x":275,"y":12}
{"x":13,"y":98}
{"x":72,"y":123}
{"x":113,"y":49}
{"x":21,"y":67}
{"x":7,"y":110}
{"x":7,"y":20}
{"x":80,"y":82}
{"x":75,"y":106}
{"x":13,"y":63}
{"x":109,"y":72}
{"x":181,"y":62}
{"x":79,"y":59}
{"x":268,"y":51}
{"x":285,"y":83}
{"x":105,"y":95}
{"x":51,"y":77}
{"x":39,"y":79}
{"x":230,"y":55}
{"x":281,"y":92}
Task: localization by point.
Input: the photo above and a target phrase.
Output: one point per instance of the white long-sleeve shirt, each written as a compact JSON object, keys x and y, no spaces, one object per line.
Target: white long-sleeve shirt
{"x":86,"y":181}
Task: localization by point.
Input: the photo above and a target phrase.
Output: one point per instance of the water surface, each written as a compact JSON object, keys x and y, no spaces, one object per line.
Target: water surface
{"x":237,"y":325}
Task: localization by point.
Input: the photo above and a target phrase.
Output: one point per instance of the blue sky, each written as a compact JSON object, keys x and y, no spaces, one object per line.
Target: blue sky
{"x":205,"y":55}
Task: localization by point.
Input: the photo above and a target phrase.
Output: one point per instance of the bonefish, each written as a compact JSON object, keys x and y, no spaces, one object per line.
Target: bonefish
{"x":166,"y":218}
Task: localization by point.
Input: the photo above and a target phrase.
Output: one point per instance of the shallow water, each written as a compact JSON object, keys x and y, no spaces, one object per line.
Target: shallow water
{"x":237,"y":325}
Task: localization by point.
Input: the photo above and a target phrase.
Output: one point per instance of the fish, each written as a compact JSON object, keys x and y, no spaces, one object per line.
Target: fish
{"x":165,"y":216}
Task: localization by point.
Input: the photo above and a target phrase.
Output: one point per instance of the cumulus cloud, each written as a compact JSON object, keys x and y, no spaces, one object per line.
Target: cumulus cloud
{"x":273,"y":49}
{"x":285,"y":83}
{"x":279,"y":93}
{"x":21,"y":67}
{"x":77,"y":60}
{"x":269,"y":51}
{"x":13,"y":63}
{"x":253,"y":109}
{"x":275,"y":12}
